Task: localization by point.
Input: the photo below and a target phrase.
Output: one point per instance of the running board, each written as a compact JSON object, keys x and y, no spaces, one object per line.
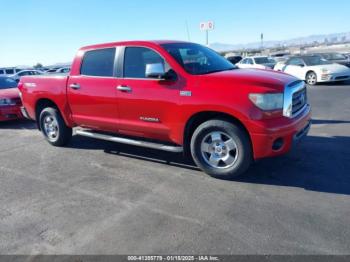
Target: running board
{"x":128,"y":141}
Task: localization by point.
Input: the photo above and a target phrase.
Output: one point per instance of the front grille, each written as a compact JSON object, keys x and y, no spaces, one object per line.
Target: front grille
{"x":299,"y":100}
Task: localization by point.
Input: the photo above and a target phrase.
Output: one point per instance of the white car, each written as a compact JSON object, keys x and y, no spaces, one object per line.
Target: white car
{"x":63,"y":70}
{"x":18,"y":75}
{"x":314,"y":69}
{"x":259,"y":62}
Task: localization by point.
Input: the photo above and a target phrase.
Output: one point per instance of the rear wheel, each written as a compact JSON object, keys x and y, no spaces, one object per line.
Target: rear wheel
{"x":311,"y":78}
{"x":54,"y":128}
{"x":221,"y":149}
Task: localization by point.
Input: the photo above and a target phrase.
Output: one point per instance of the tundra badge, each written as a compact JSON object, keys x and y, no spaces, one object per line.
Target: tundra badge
{"x":185,"y":93}
{"x":149,"y":119}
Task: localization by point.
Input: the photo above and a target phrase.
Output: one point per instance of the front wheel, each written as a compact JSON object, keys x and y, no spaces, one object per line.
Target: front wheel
{"x":54,"y":128}
{"x":221,"y":149}
{"x":311,"y":78}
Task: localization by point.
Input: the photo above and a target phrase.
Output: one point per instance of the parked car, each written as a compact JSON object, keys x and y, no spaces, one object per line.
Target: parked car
{"x":10,"y":70}
{"x":171,"y":96}
{"x":10,"y":102}
{"x":52,"y":70}
{"x":259,"y":62}
{"x":234,"y":59}
{"x":314,"y":69}
{"x":336,"y":58}
{"x":18,"y":75}
{"x":63,"y":70}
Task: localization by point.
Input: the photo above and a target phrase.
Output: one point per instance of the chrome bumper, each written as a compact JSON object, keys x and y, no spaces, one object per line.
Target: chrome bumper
{"x":24,"y":112}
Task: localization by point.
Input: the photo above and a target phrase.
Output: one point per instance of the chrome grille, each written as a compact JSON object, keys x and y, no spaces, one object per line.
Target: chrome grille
{"x":295,"y":99}
{"x":299,"y":100}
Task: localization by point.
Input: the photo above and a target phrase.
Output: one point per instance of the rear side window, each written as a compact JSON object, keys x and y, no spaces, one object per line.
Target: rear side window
{"x":98,"y":63}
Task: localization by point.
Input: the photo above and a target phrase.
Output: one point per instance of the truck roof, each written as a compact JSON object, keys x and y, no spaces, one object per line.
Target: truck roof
{"x":134,"y":42}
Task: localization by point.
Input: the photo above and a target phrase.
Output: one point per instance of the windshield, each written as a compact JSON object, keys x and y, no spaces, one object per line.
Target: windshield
{"x":262,"y":60}
{"x":335,"y":56}
{"x":315,"y":60}
{"x":6,"y":83}
{"x":197,"y":59}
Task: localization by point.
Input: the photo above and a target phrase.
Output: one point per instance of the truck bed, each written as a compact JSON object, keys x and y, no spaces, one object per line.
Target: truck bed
{"x":36,"y":88}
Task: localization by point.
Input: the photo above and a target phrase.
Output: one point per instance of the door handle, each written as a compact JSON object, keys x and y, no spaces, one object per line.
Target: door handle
{"x":75,"y":86}
{"x":124,"y":88}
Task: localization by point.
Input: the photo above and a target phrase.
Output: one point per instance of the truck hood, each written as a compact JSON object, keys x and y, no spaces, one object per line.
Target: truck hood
{"x":9,"y":93}
{"x":263,"y":78}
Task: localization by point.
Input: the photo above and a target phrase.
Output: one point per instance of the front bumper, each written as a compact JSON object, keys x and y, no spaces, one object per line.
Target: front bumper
{"x":10,"y":113}
{"x":277,"y":136}
{"x":24,"y":112}
{"x":333,"y":77}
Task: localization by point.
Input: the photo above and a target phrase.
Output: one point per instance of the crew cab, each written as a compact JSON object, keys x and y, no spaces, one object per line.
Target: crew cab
{"x":172,"y":96}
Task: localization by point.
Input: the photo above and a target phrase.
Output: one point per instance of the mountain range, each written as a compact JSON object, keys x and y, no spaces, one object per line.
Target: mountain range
{"x":321,"y":38}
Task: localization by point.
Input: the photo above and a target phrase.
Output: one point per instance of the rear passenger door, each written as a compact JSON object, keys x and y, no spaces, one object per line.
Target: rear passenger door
{"x":92,"y":94}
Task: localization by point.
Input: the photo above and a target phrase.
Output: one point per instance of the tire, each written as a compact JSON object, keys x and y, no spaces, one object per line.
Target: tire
{"x":221,"y":149}
{"x":311,"y":78}
{"x":54,"y":128}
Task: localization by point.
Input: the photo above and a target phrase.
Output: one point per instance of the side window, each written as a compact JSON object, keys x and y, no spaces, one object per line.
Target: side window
{"x":136,"y":59}
{"x":295,"y":61}
{"x":25,"y":73}
{"x":244,"y":61}
{"x":10,"y":71}
{"x":98,"y":63}
{"x":250,"y":61}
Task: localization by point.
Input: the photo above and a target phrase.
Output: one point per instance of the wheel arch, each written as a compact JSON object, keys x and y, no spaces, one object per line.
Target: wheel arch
{"x":310,"y":71}
{"x":44,"y":103}
{"x":200,"y":117}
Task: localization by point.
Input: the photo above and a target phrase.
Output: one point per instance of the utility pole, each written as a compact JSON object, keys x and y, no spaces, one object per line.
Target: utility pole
{"x":262,"y":41}
{"x":207,"y":37}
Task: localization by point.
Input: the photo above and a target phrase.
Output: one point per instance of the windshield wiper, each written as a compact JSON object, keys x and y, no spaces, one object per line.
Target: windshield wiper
{"x":220,"y":70}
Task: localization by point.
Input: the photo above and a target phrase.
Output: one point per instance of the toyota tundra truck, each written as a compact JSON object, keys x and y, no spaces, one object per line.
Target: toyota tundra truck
{"x":172,"y":96}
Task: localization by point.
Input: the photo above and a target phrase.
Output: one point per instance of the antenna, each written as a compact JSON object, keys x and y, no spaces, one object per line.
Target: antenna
{"x":188,"y":32}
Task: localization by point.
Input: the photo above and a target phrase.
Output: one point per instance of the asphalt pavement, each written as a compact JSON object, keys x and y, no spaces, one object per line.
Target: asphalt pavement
{"x":97,"y":197}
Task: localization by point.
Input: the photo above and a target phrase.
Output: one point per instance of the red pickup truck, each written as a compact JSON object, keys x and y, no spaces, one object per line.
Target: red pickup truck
{"x":172,"y":96}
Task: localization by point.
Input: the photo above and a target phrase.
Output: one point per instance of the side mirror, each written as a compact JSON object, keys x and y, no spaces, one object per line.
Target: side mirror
{"x":301,"y":65}
{"x":155,"y":71}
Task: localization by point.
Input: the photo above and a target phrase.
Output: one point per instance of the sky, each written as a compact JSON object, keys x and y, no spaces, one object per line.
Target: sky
{"x":49,"y":31}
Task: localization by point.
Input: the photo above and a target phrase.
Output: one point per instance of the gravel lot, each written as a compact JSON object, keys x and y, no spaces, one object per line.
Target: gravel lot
{"x":96,"y":197}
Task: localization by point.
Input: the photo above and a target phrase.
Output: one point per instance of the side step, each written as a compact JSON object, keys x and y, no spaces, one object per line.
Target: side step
{"x":128,"y":141}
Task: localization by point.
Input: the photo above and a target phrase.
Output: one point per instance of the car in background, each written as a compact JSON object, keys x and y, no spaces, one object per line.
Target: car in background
{"x":234,"y":59}
{"x":18,"y":75}
{"x":10,"y":102}
{"x":259,"y":62}
{"x":336,"y":58}
{"x":314,"y":69}
{"x":63,"y":70}
{"x":10,"y":70}
{"x":52,"y":70}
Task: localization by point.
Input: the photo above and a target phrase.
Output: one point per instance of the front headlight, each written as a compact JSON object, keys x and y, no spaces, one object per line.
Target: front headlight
{"x":7,"y":102}
{"x":325,"y":71}
{"x":267,"y":102}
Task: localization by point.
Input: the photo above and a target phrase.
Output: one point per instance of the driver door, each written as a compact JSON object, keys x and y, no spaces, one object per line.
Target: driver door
{"x":145,"y":104}
{"x":295,"y":67}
